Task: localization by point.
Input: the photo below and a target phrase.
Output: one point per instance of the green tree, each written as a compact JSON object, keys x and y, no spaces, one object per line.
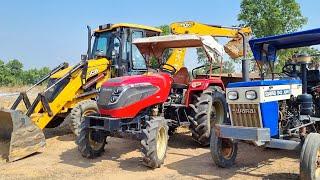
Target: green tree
{"x":12,"y":73}
{"x":32,"y":76}
{"x":165,"y":29}
{"x":228,"y":66}
{"x":272,"y":17}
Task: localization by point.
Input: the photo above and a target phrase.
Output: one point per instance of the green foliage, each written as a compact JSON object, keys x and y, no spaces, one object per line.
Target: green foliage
{"x":270,"y":17}
{"x":165,"y":29}
{"x":12,"y":73}
{"x":286,"y":56}
{"x":227,"y":66}
{"x":31,"y":76}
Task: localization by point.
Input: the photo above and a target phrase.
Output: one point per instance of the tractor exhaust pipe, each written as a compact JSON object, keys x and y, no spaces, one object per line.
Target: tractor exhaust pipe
{"x":245,"y":62}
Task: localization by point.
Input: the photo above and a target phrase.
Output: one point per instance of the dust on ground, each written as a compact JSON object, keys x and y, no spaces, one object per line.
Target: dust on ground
{"x":122,"y":160}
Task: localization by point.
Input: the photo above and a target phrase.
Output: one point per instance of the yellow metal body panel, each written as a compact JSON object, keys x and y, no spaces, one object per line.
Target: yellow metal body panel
{"x":137,"y":26}
{"x":177,"y":57}
{"x":61,"y":73}
{"x":67,"y":98}
{"x":191,"y":27}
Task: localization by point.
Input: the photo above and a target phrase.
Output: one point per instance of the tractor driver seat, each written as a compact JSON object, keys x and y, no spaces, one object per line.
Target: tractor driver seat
{"x":181,"y":79}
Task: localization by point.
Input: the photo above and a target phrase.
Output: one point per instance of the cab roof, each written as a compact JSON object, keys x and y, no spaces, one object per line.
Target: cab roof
{"x":109,"y":27}
{"x":264,"y":49}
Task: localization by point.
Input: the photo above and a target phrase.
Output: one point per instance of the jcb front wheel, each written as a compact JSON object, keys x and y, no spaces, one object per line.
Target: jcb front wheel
{"x":76,"y":115}
{"x":154,"y":142}
{"x":91,"y":142}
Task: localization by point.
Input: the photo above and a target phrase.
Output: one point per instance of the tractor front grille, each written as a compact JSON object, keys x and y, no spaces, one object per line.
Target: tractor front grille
{"x":247,"y":115}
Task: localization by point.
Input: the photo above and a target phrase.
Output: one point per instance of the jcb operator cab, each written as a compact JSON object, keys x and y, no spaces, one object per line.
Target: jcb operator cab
{"x":114,"y":42}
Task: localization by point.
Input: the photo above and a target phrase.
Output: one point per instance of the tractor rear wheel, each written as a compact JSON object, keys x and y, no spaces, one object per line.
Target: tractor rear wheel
{"x":223,"y":151}
{"x":208,"y":109}
{"x":76,"y":115}
{"x":310,"y":157}
{"x":154,"y":142}
{"x":91,"y":142}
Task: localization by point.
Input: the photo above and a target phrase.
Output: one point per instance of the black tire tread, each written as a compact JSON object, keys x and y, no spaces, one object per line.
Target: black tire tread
{"x":149,"y":142}
{"x":83,"y":144}
{"x":75,"y":114}
{"x":200,"y":107}
{"x":308,"y":155}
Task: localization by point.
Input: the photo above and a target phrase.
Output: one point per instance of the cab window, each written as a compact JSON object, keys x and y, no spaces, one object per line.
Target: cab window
{"x":138,"y":61}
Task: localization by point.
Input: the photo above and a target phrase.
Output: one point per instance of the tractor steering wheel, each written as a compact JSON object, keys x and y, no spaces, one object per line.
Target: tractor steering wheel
{"x":288,"y":70}
{"x":172,"y":70}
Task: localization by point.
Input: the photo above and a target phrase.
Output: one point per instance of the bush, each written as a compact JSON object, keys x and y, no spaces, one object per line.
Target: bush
{"x":12,"y":74}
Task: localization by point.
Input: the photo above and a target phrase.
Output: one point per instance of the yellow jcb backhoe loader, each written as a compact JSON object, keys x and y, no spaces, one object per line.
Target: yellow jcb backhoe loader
{"x":71,"y":90}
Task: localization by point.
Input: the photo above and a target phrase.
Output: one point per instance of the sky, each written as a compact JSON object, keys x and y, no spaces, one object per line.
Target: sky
{"x":46,"y":33}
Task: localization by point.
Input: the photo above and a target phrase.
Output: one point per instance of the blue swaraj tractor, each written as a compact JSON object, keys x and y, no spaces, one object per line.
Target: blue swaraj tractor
{"x":276,"y":111}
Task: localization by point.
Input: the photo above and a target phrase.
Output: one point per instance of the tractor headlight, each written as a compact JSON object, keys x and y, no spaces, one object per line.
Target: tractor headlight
{"x":251,"y":94}
{"x":117,"y":91}
{"x":233,"y":95}
{"x":113,"y":99}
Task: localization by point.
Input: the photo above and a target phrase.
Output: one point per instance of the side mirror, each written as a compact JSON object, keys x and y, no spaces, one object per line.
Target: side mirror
{"x":84,"y":57}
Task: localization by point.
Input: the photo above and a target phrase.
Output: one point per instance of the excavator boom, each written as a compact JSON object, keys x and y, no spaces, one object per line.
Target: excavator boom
{"x":191,"y":27}
{"x":234,"y":48}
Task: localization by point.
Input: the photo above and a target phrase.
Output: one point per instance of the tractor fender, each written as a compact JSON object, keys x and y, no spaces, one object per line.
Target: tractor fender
{"x":199,"y":85}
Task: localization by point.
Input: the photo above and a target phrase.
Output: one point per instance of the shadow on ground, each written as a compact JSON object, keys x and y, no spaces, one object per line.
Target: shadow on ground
{"x":116,"y":150}
{"x":202,"y":166}
{"x":183,"y":140}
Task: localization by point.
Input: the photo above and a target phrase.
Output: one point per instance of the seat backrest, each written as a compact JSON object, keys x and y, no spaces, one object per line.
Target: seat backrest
{"x":182,"y":76}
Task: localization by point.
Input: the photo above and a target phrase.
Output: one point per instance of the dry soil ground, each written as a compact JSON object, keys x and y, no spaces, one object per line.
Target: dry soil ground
{"x":121,"y":160}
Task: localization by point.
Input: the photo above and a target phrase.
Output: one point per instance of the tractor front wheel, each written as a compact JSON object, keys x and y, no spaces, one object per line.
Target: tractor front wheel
{"x":154,"y":142}
{"x":223,"y":150}
{"x":310,"y":157}
{"x":91,"y":142}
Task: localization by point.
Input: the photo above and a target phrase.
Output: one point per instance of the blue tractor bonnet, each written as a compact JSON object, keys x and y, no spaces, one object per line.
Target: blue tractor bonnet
{"x":265,"y":49}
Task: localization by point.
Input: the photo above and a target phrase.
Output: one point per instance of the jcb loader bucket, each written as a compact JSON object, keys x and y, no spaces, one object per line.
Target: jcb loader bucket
{"x":19,"y":136}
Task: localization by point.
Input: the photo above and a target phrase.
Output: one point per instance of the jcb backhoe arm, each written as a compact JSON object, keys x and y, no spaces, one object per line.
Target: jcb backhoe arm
{"x":234,"y":48}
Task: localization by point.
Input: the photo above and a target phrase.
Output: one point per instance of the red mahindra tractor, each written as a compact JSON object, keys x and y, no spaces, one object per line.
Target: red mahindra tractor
{"x":148,"y":106}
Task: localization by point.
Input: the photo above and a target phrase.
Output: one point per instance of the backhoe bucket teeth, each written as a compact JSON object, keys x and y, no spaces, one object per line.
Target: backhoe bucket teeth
{"x":19,"y":136}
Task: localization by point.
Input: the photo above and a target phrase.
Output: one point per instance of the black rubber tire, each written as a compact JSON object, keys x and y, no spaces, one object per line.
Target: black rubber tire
{"x":75,"y":116}
{"x":203,"y":114}
{"x":309,"y":157}
{"x":83,"y":141}
{"x":216,"y":144}
{"x":149,"y":142}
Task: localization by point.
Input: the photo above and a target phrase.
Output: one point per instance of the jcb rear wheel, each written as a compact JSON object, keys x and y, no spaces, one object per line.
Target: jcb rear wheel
{"x":78,"y":112}
{"x":154,"y":142}
{"x":91,"y":142}
{"x":209,"y":108}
